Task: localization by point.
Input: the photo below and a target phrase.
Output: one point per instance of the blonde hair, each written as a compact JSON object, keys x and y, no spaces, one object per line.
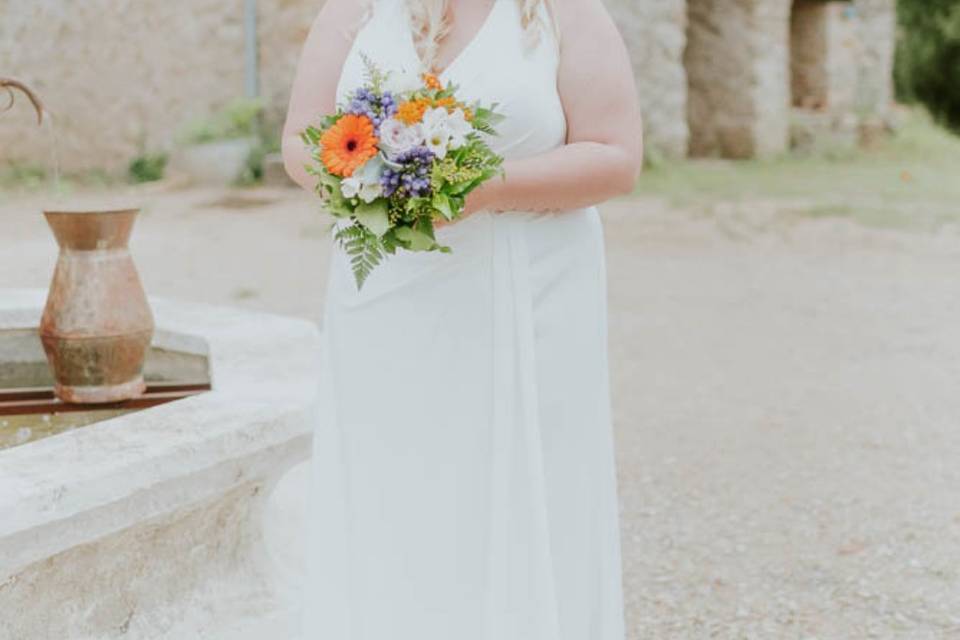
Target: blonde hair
{"x":431,"y":23}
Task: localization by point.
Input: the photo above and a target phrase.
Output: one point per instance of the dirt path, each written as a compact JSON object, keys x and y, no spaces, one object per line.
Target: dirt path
{"x":787,"y":398}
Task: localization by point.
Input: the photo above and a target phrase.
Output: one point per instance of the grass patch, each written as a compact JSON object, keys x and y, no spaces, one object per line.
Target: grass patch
{"x":22,"y":178}
{"x":917,"y":169}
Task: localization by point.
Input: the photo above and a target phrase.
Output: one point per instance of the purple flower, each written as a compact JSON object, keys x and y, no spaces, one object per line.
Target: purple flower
{"x":413,"y":178}
{"x":376,"y":107}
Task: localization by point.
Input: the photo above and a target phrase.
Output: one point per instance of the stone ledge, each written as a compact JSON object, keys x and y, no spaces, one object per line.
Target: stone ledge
{"x":124,"y":481}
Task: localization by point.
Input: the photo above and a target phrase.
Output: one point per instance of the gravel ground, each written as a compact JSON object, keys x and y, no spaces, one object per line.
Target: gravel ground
{"x":786,"y":390}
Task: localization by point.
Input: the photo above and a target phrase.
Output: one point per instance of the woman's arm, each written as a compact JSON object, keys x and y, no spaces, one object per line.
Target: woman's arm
{"x":604,"y":151}
{"x":315,"y":85}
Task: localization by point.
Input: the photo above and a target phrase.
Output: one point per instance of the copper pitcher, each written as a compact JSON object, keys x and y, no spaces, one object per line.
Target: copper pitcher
{"x":97,"y":324}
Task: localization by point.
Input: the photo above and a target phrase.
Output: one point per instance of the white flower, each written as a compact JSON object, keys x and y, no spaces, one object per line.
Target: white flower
{"x":436,"y":133}
{"x":459,"y":128}
{"x":365,"y":182}
{"x":396,"y":137}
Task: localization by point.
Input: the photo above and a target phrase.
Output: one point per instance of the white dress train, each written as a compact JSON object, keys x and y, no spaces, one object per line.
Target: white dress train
{"x":463,"y":483}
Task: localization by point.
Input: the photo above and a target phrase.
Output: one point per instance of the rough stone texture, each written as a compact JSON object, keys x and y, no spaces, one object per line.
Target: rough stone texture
{"x":771,"y":93}
{"x":737,"y":61}
{"x":283,"y":29}
{"x":122,"y":77}
{"x":118,"y":76}
{"x":876,"y":33}
{"x":748,"y":60}
{"x":655,"y":32}
{"x":808,"y":60}
{"x":830,"y":66}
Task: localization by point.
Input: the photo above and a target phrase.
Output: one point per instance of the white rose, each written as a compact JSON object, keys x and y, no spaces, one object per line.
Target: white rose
{"x":396,"y":137}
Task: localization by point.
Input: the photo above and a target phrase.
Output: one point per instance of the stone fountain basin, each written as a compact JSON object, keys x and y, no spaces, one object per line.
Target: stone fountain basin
{"x":173,"y":359}
{"x":146,"y":522}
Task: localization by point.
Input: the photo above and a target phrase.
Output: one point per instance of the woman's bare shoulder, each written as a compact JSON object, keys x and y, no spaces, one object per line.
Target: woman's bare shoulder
{"x":580,"y":18}
{"x":342,"y":16}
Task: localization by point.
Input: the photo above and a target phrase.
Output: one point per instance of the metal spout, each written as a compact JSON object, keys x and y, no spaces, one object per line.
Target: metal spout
{"x":9,"y":84}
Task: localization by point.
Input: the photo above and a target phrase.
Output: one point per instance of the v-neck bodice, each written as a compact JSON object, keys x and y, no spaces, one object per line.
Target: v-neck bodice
{"x":488,"y":18}
{"x":495,"y":66}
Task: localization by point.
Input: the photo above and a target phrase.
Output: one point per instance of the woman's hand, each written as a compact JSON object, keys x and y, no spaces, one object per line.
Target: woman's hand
{"x":477,"y":200}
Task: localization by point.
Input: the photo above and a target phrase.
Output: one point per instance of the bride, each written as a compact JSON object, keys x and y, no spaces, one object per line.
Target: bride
{"x":463,"y":483}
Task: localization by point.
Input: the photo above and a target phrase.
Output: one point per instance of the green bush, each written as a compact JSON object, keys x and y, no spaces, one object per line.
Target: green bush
{"x":239,"y":119}
{"x":253,"y":173}
{"x":928,"y":57}
{"x":148,"y":168}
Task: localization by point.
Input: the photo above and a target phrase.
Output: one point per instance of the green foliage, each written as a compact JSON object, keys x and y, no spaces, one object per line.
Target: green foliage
{"x":253,"y":171}
{"x":928,"y":57}
{"x":22,"y":176}
{"x":375,"y":77}
{"x":364,"y":249}
{"x":239,"y":119}
{"x":147,"y":167}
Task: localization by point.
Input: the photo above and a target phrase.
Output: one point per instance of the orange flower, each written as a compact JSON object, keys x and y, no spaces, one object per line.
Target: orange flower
{"x":432,"y":82}
{"x":411,"y":112}
{"x":348,"y":144}
{"x":447,"y":102}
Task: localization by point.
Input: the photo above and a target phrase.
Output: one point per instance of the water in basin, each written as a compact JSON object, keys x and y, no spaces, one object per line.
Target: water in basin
{"x":29,"y":413}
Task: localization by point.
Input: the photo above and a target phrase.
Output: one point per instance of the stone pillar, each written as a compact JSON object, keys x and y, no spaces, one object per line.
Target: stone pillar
{"x":877,"y":27}
{"x":738,"y":67}
{"x":655,"y":33}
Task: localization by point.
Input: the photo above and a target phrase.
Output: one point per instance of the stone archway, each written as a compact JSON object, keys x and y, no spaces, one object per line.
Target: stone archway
{"x":823,"y":54}
{"x":808,"y":54}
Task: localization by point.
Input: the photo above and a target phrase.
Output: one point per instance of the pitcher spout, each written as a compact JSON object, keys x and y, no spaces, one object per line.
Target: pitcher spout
{"x":9,"y":84}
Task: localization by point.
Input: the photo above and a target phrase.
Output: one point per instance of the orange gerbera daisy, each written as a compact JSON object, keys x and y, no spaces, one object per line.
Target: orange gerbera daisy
{"x":348,"y":144}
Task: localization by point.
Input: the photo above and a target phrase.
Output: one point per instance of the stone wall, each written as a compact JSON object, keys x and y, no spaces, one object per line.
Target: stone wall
{"x":809,"y":47}
{"x":876,"y":28}
{"x":655,"y":31}
{"x":124,"y":76}
{"x":836,"y":62}
{"x":118,"y":75}
{"x":284,"y":25}
{"x":744,"y":75}
{"x":737,"y":61}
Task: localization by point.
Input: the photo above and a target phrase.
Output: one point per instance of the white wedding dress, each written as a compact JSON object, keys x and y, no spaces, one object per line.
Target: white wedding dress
{"x":463,"y":483}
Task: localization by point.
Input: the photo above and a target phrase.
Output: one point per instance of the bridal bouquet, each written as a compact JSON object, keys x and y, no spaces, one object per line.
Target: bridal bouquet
{"x":392,"y":161}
